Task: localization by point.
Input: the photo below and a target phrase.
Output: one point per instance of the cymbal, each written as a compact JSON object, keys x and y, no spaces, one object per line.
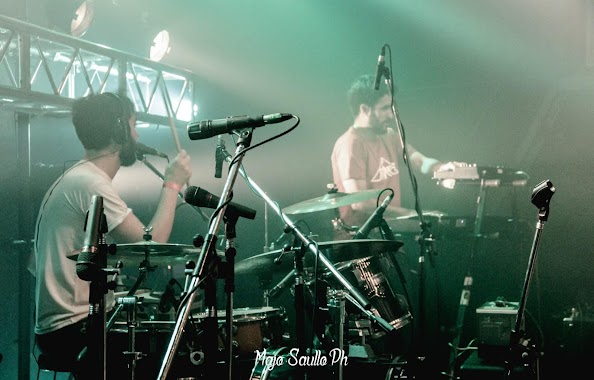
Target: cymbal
{"x":330,"y":201}
{"x":156,"y":252}
{"x":336,"y":251}
{"x":411,"y":223}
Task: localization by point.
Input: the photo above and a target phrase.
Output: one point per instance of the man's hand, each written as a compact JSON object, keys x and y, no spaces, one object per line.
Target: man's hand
{"x":179,"y":170}
{"x":449,"y":166}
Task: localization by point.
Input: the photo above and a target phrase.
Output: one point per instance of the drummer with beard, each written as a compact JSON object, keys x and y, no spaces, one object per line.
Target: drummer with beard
{"x":105,"y":125}
{"x":367,"y":155}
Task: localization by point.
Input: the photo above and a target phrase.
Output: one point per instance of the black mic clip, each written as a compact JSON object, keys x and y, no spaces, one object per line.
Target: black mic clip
{"x":286,"y":248}
{"x":168,"y":299}
{"x":219,"y":157}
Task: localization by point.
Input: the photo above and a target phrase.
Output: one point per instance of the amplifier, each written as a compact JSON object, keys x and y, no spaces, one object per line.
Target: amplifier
{"x":495,"y":322}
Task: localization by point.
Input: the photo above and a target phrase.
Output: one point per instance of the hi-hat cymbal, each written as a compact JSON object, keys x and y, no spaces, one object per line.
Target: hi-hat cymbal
{"x":336,"y":251}
{"x":330,"y":201}
{"x":156,"y":252}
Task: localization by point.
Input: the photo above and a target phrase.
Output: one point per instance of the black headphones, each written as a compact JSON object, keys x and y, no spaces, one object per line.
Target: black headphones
{"x":121,"y":130}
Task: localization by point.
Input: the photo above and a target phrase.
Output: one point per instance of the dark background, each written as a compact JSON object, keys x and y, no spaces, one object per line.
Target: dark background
{"x":503,"y":83}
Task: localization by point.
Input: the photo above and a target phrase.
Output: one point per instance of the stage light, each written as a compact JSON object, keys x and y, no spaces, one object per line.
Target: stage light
{"x":70,"y":16}
{"x":160,"y":46}
{"x":83,"y":19}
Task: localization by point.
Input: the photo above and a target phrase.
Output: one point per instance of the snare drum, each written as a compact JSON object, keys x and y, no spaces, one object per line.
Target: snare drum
{"x":253,"y":328}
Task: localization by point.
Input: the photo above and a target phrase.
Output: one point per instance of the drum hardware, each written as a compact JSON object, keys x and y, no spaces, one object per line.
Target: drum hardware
{"x":132,"y":355}
{"x":337,"y":302}
{"x":339,"y":225}
{"x":189,"y":268}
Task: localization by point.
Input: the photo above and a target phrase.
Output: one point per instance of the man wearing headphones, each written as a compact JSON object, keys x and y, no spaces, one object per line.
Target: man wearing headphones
{"x":105,"y":125}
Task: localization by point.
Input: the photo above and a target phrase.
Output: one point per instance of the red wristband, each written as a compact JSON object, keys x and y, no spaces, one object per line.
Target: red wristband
{"x":172,"y":185}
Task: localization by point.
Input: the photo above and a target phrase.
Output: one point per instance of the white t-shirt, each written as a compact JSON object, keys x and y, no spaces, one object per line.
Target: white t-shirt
{"x":61,"y":298}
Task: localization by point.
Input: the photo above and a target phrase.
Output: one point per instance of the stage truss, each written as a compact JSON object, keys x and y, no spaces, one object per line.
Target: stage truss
{"x":42,"y":71}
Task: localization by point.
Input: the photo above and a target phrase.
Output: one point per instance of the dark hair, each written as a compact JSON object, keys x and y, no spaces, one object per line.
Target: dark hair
{"x":100,"y":119}
{"x":362,"y":91}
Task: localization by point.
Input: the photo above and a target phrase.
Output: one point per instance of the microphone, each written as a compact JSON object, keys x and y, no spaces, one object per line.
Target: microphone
{"x":209,"y":128}
{"x":142,"y":149}
{"x":88,"y":266}
{"x":202,"y":198}
{"x":373,"y":220}
{"x":278,"y":287}
{"x":168,"y":298}
{"x":219,"y":158}
{"x":386,"y":230}
{"x":379,"y":72}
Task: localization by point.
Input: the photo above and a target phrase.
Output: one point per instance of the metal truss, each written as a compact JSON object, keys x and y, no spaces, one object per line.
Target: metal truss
{"x":42,"y":71}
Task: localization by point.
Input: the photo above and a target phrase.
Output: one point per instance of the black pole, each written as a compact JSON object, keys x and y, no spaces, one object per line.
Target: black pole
{"x":230,"y":220}
{"x":519,"y":347}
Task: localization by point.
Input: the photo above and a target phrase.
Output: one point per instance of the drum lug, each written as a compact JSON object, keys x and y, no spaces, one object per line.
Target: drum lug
{"x":196,"y":357}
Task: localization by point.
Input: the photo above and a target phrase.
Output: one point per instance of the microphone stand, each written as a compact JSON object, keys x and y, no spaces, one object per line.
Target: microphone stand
{"x":229,"y":272}
{"x":205,"y":274}
{"x":426,"y":238}
{"x":96,"y":332}
{"x":518,"y":344}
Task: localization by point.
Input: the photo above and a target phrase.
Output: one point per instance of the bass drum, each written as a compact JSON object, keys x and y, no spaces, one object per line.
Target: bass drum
{"x":254,"y":329}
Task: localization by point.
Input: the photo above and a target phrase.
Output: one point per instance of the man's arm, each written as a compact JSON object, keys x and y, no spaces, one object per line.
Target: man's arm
{"x":131,"y":230}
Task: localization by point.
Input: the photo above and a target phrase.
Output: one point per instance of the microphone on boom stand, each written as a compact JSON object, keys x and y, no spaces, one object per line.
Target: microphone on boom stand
{"x":374,"y":220}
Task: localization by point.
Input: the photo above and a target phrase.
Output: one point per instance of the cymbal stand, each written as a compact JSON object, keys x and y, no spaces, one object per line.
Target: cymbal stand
{"x":205,"y":275}
{"x":189,"y":269}
{"x":143,"y":269}
{"x":518,"y":344}
{"x":130,"y":302}
{"x":337,"y":301}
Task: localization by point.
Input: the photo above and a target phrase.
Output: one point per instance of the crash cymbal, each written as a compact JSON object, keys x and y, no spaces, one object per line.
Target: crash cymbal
{"x":330,"y":201}
{"x":336,"y":251}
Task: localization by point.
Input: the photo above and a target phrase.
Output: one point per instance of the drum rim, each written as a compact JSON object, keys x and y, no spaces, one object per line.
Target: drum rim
{"x":247,"y":317}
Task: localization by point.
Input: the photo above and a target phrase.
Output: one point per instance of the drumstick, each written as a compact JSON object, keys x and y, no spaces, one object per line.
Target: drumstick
{"x":169,"y":108}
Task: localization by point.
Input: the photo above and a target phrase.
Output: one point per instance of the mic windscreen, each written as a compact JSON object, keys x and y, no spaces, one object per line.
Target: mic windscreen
{"x":199,"y":197}
{"x":87,"y":266}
